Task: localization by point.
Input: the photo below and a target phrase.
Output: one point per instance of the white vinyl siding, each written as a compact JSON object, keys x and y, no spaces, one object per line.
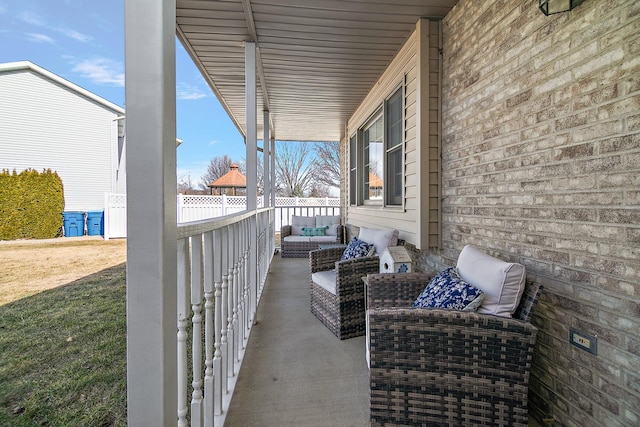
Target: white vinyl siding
{"x":47,"y":125}
{"x":416,"y":216}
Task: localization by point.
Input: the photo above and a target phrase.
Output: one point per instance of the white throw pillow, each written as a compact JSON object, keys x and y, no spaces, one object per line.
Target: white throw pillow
{"x":298,"y":222}
{"x":332,"y":230}
{"x":502,"y":282}
{"x":381,"y":239}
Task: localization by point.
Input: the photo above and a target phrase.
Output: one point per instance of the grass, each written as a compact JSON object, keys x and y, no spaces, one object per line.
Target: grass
{"x":63,"y":355}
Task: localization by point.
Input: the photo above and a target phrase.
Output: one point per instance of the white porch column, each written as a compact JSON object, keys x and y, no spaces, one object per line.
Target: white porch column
{"x":252,"y":125}
{"x":252,"y":158}
{"x":151,"y":212}
{"x":272,"y":151}
{"x":266,"y":161}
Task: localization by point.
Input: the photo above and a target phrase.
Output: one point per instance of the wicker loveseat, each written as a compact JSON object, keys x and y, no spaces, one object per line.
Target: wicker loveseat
{"x":294,"y":243}
{"x":337,"y":289}
{"x":445,"y":367}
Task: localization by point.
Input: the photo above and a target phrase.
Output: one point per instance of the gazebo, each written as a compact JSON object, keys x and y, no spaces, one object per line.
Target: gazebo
{"x":228,"y":183}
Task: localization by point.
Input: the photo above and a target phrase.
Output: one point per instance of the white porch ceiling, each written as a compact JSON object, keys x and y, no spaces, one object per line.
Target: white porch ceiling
{"x":316,"y":59}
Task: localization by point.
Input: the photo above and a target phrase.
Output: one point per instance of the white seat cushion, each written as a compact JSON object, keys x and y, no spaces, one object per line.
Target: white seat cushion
{"x":502,"y":282}
{"x":297,"y":239}
{"x":326,"y":280}
{"x":326,"y":239}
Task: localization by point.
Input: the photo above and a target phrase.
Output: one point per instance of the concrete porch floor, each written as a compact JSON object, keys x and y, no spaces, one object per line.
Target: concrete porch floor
{"x":296,"y":372}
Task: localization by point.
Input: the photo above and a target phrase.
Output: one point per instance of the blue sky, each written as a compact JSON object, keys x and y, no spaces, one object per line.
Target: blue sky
{"x":83,"y":41}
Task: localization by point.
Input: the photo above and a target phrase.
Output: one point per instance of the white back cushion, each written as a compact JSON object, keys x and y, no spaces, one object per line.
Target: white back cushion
{"x":322,"y":220}
{"x":501,"y":281}
{"x":297,"y":222}
{"x":380,"y":239}
{"x":333,"y":221}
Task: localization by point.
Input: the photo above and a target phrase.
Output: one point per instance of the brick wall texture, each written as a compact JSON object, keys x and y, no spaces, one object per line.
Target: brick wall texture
{"x":541,"y":165}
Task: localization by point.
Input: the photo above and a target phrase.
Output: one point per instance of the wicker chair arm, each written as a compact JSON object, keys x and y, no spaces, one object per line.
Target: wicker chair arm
{"x":324,"y":259}
{"x":441,"y":363}
{"x":360,"y":267}
{"x":285,"y":231}
{"x":395,"y":289}
{"x":340,"y":234}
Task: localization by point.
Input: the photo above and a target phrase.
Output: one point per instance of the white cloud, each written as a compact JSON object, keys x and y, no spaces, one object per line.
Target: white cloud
{"x":214,"y":142}
{"x":35,"y":19}
{"x":75,"y":34}
{"x":187,"y":91}
{"x":101,"y":70}
{"x":40,"y":38}
{"x":32,"y":18}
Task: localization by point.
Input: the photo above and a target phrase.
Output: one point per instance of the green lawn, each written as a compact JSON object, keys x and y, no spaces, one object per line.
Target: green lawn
{"x":63,"y":355}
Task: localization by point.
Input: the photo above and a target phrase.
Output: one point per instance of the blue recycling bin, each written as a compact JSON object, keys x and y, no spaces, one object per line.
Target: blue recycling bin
{"x":95,"y":223}
{"x":73,"y":224}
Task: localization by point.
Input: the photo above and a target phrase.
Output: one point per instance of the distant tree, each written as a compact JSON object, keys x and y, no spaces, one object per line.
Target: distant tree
{"x":218,"y":166}
{"x":295,"y":172}
{"x":319,"y":190}
{"x":260,"y":173}
{"x":327,"y":160}
{"x":186,"y":186}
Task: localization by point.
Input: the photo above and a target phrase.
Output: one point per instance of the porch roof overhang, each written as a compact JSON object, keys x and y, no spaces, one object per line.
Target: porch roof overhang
{"x":316,"y":59}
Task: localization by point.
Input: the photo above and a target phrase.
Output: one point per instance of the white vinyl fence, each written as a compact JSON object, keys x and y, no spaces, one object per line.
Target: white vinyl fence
{"x":196,"y":207}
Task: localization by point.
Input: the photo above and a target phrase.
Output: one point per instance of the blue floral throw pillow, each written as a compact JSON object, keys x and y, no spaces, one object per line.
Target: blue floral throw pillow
{"x":448,"y":290}
{"x":355,"y":249}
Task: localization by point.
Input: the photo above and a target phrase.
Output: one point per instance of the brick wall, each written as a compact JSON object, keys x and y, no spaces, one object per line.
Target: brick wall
{"x":541,"y":165}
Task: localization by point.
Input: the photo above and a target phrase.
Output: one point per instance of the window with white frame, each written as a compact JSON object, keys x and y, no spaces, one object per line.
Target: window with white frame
{"x":376,"y":156}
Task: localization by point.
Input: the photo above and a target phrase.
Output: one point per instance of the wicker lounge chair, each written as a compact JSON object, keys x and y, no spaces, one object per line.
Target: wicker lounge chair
{"x":444,"y":367}
{"x":342,"y":309}
{"x":294,"y":245}
{"x":342,"y":312}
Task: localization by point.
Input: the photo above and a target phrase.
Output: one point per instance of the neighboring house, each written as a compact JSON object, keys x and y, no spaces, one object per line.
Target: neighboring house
{"x":51,"y":123}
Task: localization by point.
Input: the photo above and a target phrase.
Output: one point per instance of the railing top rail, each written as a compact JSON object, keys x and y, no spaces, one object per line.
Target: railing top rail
{"x":193,"y":228}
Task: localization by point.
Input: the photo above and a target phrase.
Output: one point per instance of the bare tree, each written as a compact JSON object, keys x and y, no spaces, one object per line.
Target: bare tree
{"x":327,"y":160}
{"x":295,"y":172}
{"x":219,"y":166}
{"x":259,"y":172}
{"x":186,"y":186}
{"x":319,"y":190}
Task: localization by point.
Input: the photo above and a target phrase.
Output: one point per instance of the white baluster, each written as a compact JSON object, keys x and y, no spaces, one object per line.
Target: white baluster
{"x":209,"y":332}
{"x":218,"y":268}
{"x":236,"y":294}
{"x":248,"y":280}
{"x":244,"y":308}
{"x":196,"y":344}
{"x":240,"y":289}
{"x":224,"y":313}
{"x":183,"y":321}
{"x":230,"y":307}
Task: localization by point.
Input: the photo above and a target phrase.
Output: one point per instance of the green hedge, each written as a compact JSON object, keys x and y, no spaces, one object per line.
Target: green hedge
{"x":31,"y":205}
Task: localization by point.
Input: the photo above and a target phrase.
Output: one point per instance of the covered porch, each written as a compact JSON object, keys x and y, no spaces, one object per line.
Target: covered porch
{"x":492,"y":124}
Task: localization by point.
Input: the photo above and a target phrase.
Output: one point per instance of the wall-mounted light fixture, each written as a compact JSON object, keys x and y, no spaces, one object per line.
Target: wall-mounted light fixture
{"x":549,"y":7}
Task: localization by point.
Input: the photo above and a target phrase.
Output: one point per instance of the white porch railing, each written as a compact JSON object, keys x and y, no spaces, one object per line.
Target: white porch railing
{"x":196,"y":207}
{"x":222,"y":267}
